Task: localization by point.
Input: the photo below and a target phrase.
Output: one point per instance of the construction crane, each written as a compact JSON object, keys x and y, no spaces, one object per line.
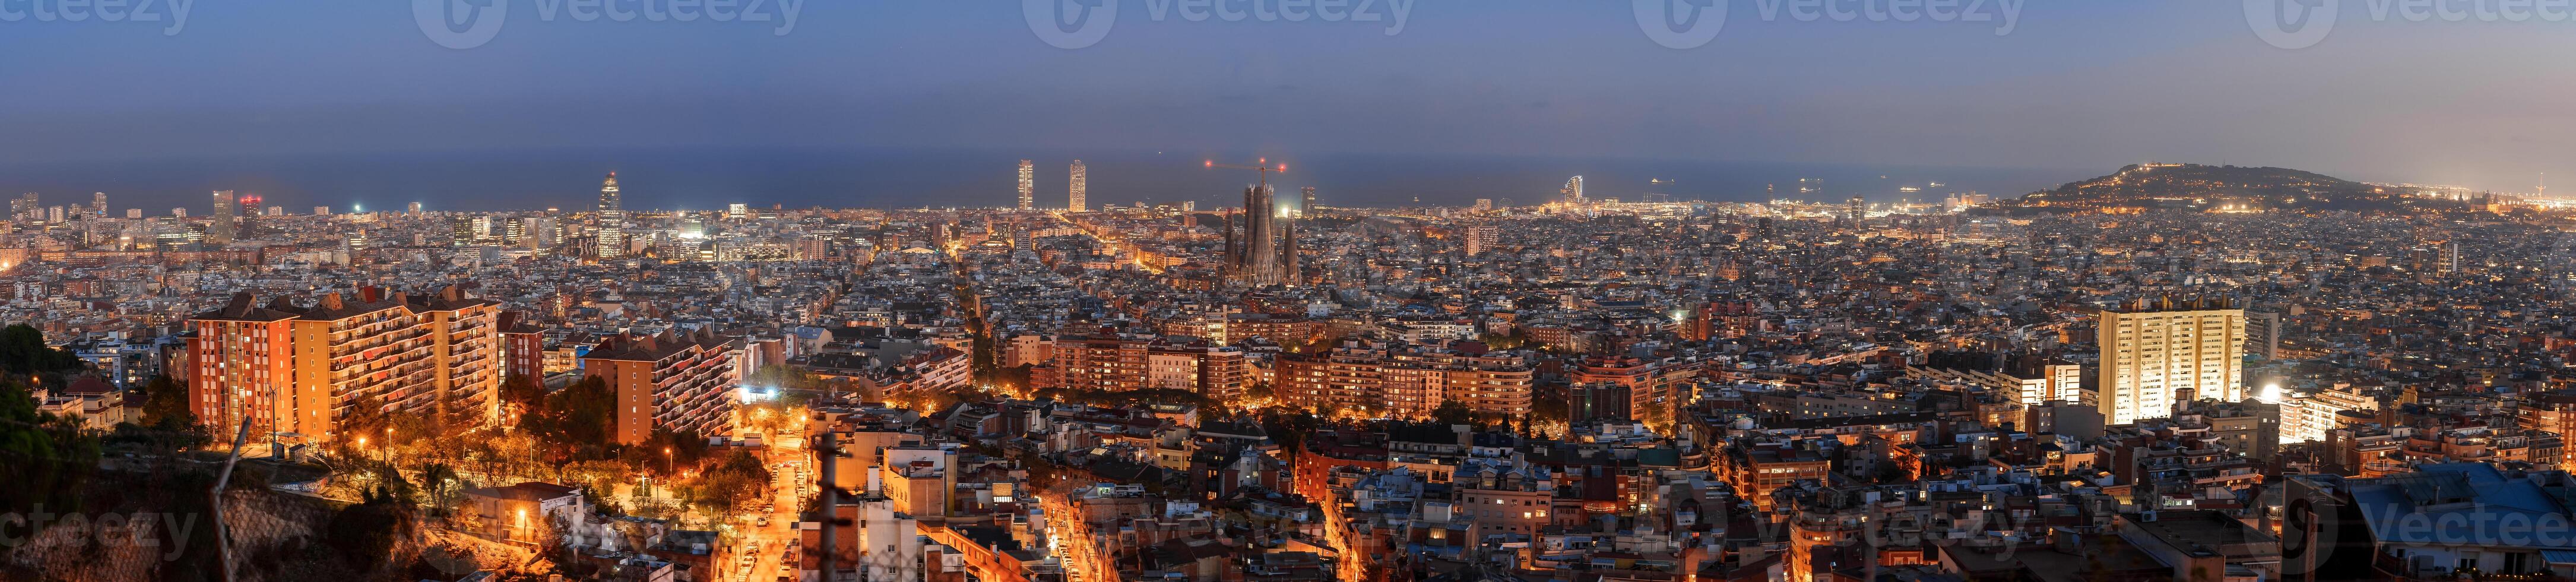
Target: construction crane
{"x":1265,"y":169}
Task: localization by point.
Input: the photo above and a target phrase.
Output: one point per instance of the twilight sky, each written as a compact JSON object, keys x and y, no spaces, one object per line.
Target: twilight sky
{"x":2075,"y":84}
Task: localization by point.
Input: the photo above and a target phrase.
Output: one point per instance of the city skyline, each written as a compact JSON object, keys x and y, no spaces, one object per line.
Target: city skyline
{"x":1572,"y":191}
{"x":1169,"y":177}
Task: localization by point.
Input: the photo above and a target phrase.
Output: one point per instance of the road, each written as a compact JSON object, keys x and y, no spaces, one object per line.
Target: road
{"x":791,"y":482}
{"x":1066,"y":530}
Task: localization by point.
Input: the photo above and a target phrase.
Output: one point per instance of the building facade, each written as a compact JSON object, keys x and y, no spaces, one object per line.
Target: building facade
{"x":2158,"y":352}
{"x":668,"y":382}
{"x":298,"y":371}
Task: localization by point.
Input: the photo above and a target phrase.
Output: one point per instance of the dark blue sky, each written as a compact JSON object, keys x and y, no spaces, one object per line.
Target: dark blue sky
{"x":2077,"y":87}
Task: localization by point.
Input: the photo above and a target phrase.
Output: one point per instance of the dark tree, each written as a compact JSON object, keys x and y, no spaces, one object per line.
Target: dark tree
{"x":1453,"y":412}
{"x":365,"y":533}
{"x":574,"y":422}
{"x":23,"y":351}
{"x":45,"y":460}
{"x":167,"y":426}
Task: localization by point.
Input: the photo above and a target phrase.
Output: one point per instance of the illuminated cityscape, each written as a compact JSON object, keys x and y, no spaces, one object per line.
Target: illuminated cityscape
{"x":1008,"y":385}
{"x":1867,"y":291}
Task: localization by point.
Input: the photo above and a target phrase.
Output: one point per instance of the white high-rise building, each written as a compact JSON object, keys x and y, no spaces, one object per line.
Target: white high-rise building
{"x":1028,"y":184}
{"x":1481,"y":238}
{"x":611,"y":242}
{"x":738,"y":211}
{"x":1573,"y":191}
{"x":1080,"y":190}
{"x":2159,"y":352}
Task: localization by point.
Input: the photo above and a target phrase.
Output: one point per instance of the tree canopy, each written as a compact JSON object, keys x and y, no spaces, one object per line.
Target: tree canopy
{"x":574,"y":423}
{"x":734,"y":482}
{"x":44,"y":459}
{"x":23,"y":351}
{"x":167,"y":425}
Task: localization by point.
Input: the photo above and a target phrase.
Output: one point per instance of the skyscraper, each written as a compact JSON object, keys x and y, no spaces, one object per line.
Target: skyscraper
{"x":1573,"y":191}
{"x":1308,"y":204}
{"x":249,"y":217}
{"x":2162,"y":351}
{"x":221,"y":229}
{"x":98,"y":204}
{"x":1080,"y":190}
{"x":1028,"y":184}
{"x":612,"y":221}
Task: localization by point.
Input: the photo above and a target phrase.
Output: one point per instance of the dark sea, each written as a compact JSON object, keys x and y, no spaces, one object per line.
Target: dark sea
{"x":710,"y":178}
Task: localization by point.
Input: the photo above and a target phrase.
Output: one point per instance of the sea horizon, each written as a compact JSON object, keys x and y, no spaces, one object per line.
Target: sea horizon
{"x":703,"y":178}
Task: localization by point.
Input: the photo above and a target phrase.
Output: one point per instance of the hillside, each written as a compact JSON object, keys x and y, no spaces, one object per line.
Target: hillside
{"x":2203,"y":187}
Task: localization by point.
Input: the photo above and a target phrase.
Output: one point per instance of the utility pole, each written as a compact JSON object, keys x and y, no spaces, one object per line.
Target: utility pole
{"x":825,"y":450}
{"x":223,"y":547}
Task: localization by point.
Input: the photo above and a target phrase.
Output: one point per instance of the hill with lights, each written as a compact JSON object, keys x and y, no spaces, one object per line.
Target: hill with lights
{"x":2206,"y":188}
